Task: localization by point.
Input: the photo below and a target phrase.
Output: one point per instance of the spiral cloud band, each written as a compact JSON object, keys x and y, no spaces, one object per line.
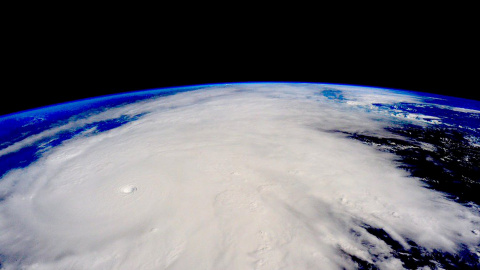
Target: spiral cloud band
{"x":227,"y":177}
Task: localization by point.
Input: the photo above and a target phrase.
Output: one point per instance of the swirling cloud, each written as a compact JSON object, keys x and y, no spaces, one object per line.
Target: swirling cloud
{"x":237,"y":177}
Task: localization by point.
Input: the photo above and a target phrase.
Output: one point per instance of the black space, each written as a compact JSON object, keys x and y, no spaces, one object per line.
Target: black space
{"x":65,"y":64}
{"x":49,"y":82}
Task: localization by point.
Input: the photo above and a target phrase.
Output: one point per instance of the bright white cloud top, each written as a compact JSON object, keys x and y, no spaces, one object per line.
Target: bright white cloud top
{"x":243,"y":176}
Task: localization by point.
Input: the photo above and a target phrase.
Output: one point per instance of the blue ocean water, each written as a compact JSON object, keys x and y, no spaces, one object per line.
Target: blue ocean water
{"x":454,"y":112}
{"x":18,"y":126}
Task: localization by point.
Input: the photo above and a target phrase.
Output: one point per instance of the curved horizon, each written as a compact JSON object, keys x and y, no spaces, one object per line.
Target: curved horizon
{"x":192,"y":86}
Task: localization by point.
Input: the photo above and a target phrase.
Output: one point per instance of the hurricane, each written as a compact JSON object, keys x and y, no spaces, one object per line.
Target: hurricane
{"x":243,"y":176}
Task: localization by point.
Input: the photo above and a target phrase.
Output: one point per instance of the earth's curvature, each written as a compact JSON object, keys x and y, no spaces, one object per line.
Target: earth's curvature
{"x":243,"y":176}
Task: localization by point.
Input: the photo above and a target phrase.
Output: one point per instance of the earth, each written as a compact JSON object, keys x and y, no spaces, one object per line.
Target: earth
{"x":243,"y":176}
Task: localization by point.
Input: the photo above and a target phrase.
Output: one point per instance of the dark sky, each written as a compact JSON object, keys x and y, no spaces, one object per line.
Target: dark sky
{"x":64,"y":81}
{"x":65,"y":67}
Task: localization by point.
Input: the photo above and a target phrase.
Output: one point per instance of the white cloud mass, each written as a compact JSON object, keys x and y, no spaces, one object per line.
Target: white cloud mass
{"x":227,"y":177}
